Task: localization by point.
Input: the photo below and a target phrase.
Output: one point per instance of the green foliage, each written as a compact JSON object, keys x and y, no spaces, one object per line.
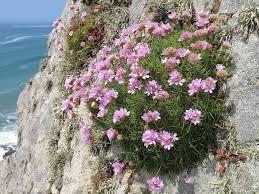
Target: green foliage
{"x":87,"y":37}
{"x":194,"y":141}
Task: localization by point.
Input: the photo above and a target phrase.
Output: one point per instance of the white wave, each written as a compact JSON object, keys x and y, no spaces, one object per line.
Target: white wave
{"x":8,"y":138}
{"x":18,"y":39}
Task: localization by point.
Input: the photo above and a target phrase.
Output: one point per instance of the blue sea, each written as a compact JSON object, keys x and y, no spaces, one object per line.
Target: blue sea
{"x":22,"y":46}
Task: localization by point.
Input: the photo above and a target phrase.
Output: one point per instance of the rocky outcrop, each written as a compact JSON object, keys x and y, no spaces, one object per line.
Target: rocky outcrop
{"x":51,"y":158}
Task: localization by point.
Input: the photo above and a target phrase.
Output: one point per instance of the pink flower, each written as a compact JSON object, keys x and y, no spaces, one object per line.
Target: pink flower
{"x":151,"y":116}
{"x":83,"y":16}
{"x":167,"y":140}
{"x":67,"y":105}
{"x":212,"y":28}
{"x":134,"y":85}
{"x":105,"y":76}
{"x":139,"y":72}
{"x":155,"y":184}
{"x":161,"y":95}
{"x":56,"y":23}
{"x":173,"y":16}
{"x":194,"y":58}
{"x":143,"y":50}
{"x":152,"y":87}
{"x":69,"y":82}
{"x":150,"y":26}
{"x":187,"y":179}
{"x":86,"y":133}
{"x":149,"y":137}
{"x":201,"y":32}
{"x":209,"y":85}
{"x":202,"y":18}
{"x":70,"y":114}
{"x":118,"y":168}
{"x":182,"y":52}
{"x":185,"y":36}
{"x":195,"y":87}
{"x":176,"y":78}
{"x":221,"y":72}
{"x":171,"y":62}
{"x":120,"y":41}
{"x":201,"y":45}
{"x":112,"y":134}
{"x":120,"y":115}
{"x":194,"y":116}
{"x":119,"y":76}
{"x":102,"y":112}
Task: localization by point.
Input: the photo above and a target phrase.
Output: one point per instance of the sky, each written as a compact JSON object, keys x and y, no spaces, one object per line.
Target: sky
{"x":30,"y":10}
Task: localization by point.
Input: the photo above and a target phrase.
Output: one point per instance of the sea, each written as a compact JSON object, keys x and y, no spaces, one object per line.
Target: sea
{"x":22,"y":46}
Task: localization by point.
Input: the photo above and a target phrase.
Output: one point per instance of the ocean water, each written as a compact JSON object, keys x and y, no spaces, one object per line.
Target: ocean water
{"x":22,"y":46}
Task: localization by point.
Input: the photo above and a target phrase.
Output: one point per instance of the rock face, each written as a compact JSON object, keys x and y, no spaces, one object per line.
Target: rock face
{"x":52,"y":159}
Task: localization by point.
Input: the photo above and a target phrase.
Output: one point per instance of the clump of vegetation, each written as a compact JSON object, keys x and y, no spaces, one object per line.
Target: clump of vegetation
{"x":84,"y":37}
{"x":156,"y":93}
{"x":249,"y":21}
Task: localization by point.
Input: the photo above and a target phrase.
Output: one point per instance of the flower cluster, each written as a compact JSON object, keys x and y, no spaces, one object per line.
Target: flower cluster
{"x":164,"y":138}
{"x":135,"y":87}
{"x":155,"y":184}
{"x":194,"y":116}
{"x":208,"y":85}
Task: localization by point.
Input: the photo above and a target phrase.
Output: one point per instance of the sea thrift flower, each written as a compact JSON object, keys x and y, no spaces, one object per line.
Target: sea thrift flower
{"x":83,"y":16}
{"x":149,"y":137}
{"x":176,"y":78}
{"x":202,"y":18}
{"x":70,"y":114}
{"x":194,"y":58}
{"x":182,"y":52}
{"x":69,"y":83}
{"x":161,"y":95}
{"x":67,"y":105}
{"x":200,"y":32}
{"x":221,"y":72}
{"x":142,"y":50}
{"x":170,"y":63}
{"x":86,"y":133}
{"x":212,"y":28}
{"x":169,"y":52}
{"x":201,"y":45}
{"x":195,"y":87}
{"x":118,"y":168}
{"x":139,"y":72}
{"x":187,"y":179}
{"x":151,"y":116}
{"x":193,"y":115}
{"x":155,"y":184}
{"x":167,"y":140}
{"x":173,"y":16}
{"x":152,"y":87}
{"x":120,"y":115}
{"x":134,"y":85}
{"x":112,"y":134}
{"x":119,"y":76}
{"x":102,"y":112}
{"x":105,"y":76}
{"x":208,"y":85}
{"x":185,"y":36}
